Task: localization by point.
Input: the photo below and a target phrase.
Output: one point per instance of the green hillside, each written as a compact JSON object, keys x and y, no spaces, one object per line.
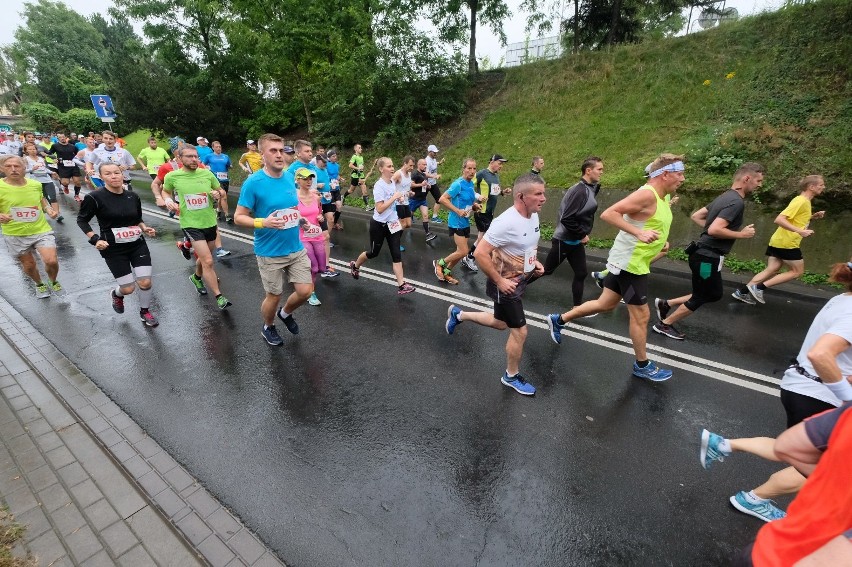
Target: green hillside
{"x":773,"y":88}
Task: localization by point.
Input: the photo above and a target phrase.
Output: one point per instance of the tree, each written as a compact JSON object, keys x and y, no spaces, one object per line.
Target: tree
{"x":457,"y":20}
{"x":43,"y":116}
{"x":10,"y":81}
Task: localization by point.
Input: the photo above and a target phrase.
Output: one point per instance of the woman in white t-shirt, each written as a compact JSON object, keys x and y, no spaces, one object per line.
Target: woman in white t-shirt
{"x":37,"y":170}
{"x":402,"y":181}
{"x":817,"y":380}
{"x":384,"y":225}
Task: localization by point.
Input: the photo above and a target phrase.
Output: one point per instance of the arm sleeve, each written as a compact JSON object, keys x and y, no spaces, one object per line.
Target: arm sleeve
{"x":87,"y":211}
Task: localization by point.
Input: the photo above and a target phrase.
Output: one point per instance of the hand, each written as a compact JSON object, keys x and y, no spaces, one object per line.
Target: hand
{"x":506,"y":286}
{"x":747,"y":232}
{"x":506,"y":191}
{"x":666,"y":248}
{"x":805,"y":232}
{"x":53,"y":212}
{"x":102,"y":245}
{"x":538,"y":271}
{"x":217,"y":194}
{"x":464,"y":213}
{"x":5,"y":218}
{"x":673,"y":201}
{"x":172,"y":206}
{"x":149,"y":231}
{"x":586,"y":240}
{"x":476,"y":207}
{"x":159,"y":201}
{"x":648,"y":236}
{"x":273,"y":222}
{"x":818,"y":215}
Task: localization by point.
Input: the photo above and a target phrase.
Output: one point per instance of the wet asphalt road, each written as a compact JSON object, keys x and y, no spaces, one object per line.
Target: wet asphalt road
{"x":373,"y":438}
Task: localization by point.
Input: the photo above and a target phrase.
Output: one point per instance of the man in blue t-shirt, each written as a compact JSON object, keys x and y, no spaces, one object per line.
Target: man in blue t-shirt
{"x":203,"y":148}
{"x":219,"y":163}
{"x":333,"y":168}
{"x":304,"y":154}
{"x":462,"y":201}
{"x":268,"y":203}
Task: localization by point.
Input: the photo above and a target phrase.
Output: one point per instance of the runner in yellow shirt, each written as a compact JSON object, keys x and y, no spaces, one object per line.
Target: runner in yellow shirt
{"x":251,"y":161}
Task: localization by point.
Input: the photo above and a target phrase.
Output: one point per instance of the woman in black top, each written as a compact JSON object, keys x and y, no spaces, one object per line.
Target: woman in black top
{"x":120,"y":241}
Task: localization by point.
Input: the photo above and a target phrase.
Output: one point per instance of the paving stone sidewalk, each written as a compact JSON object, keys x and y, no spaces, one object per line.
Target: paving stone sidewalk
{"x":90,"y":486}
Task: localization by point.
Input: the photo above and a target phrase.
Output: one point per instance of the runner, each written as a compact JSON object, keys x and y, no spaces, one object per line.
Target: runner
{"x":37,"y":170}
{"x":508,"y":257}
{"x":402,"y":180}
{"x":461,"y":200}
{"x":251,"y":161}
{"x":384,"y":225}
{"x":785,"y":245}
{"x":357,"y":177}
{"x":67,"y":169}
{"x":270,"y":194}
{"x":574,"y":224}
{"x":419,"y":191}
{"x":487,"y":185}
{"x":537,"y":165}
{"x":219,"y":163}
{"x":327,"y":203}
{"x":433,"y":176}
{"x":109,"y":153}
{"x":82,"y":157}
{"x":202,"y":145}
{"x":334,"y":181}
{"x":310,"y":232}
{"x":722,"y":221}
{"x":24,"y":228}
{"x":818,"y":380}
{"x":194,"y":187}
{"x":44,"y":143}
{"x":303,"y":153}
{"x":151,"y":157}
{"x":643,"y":219}
{"x":120,"y":242}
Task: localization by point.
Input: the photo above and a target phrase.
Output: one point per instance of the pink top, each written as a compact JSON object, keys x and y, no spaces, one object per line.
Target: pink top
{"x":310,"y":213}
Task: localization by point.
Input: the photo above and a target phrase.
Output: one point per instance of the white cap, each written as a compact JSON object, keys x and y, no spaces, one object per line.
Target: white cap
{"x":198,"y":139}
{"x":432,"y":148}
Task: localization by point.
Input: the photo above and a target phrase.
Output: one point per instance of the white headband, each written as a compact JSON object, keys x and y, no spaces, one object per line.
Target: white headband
{"x":676,"y":166}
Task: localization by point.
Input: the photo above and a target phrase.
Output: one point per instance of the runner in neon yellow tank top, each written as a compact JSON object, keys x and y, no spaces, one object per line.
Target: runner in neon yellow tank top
{"x":644,"y":219}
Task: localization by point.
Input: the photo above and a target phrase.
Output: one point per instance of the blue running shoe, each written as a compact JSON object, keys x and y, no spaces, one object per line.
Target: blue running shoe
{"x":437,"y":220}
{"x":401,"y":248}
{"x":651,"y":372}
{"x":452,"y":319}
{"x":710,"y":450}
{"x":765,"y":509}
{"x":555,"y":328}
{"x":271,"y":335}
{"x":518,"y":384}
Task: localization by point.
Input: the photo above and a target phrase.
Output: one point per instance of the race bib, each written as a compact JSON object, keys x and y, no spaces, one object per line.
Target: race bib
{"x":312,"y":230}
{"x":530,"y":258}
{"x":394,"y":226}
{"x":495,"y":189}
{"x":25,"y":214}
{"x":326,"y":196}
{"x":196,"y":201}
{"x":126,"y":234}
{"x":291,"y":217}
{"x":222,"y":175}
{"x":334,"y":184}
{"x":68,"y":163}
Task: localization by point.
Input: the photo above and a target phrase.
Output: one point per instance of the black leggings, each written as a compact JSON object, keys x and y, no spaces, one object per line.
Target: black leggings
{"x":378,"y":234}
{"x":800,"y":407}
{"x":706,"y":281}
{"x":576,"y":256}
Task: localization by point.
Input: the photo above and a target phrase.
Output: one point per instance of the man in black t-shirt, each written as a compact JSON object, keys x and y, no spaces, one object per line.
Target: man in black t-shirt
{"x":721,"y":221}
{"x":67,"y":169}
{"x":417,"y":200}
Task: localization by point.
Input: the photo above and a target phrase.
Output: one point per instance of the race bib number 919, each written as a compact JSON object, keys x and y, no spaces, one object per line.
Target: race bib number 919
{"x":291,"y":217}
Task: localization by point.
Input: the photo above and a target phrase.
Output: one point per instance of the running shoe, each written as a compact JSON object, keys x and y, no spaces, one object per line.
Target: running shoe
{"x":146,"y":317}
{"x":405,"y":288}
{"x":669,"y":331}
{"x":60,"y":218}
{"x":229,"y":219}
{"x":78,"y":198}
{"x":452,"y":319}
{"x":598,"y":279}
{"x":117,"y":302}
{"x":765,"y":510}
{"x":448,"y":277}
{"x":555,"y":328}
{"x":329,"y":273}
{"x":332,"y":245}
{"x":710,"y":450}
{"x":744,"y":297}
{"x":221,"y":252}
{"x":222,"y":302}
{"x":518,"y":384}
{"x":430,"y":236}
{"x":314,"y":300}
{"x":369,"y":208}
{"x":55,"y":286}
{"x":220,"y":215}
{"x":289,"y":322}
{"x":662,"y":307}
{"x":66,"y":190}
{"x":353,"y":269}
{"x":199,"y":284}
{"x":42,"y":291}
{"x":470,"y":263}
{"x":401,"y":248}
{"x":757,"y":293}
{"x":651,"y":372}
{"x":187,"y":253}
{"x":439,"y":269}
{"x":271,"y":335}
{"x":437,"y":220}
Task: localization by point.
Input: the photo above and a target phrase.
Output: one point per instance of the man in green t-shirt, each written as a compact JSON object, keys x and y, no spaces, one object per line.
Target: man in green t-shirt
{"x":197,"y":190}
{"x":357,"y":178}
{"x":152,"y":157}
{"x":24,"y":228}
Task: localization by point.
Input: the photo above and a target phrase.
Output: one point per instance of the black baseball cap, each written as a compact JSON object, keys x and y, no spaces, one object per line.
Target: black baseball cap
{"x":498,"y":157}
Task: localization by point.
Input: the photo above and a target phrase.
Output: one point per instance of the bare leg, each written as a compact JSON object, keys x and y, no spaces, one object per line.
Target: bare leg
{"x":269,"y":306}
{"x":763,"y":447}
{"x":28,"y":265}
{"x":397,"y":271}
{"x":515,"y":349}
{"x":795,"y":269}
{"x":785,"y":481}
{"x":204,"y":265}
{"x":607,"y":301}
{"x":51,"y":263}
{"x":639,"y":317}
{"x":773,"y":266}
{"x":297,"y":298}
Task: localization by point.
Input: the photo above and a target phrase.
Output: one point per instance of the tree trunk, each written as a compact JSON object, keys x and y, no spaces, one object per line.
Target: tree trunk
{"x":576,"y":26}
{"x":616,"y":10}
{"x":473,"y":68}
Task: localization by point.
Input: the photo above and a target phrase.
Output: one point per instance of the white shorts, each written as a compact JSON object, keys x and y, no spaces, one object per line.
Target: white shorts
{"x":20,"y":245}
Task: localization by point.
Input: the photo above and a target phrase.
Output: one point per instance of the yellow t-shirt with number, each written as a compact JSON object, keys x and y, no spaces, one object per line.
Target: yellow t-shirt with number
{"x":24,"y":205}
{"x":798,"y":213}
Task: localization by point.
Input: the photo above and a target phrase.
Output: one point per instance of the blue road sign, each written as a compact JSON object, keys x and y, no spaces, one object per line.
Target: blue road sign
{"x":103,"y":106}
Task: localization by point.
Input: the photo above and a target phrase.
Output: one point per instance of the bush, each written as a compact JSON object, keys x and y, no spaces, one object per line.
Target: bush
{"x":82,"y":120}
{"x":44,"y":117}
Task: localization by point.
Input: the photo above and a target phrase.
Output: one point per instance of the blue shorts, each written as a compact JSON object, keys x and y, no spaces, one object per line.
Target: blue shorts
{"x":415,"y":204}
